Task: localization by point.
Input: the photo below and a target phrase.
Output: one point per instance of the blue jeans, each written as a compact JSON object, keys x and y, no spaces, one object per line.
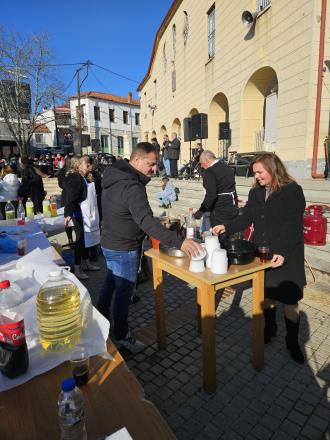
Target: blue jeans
{"x":166,"y":163}
{"x":122,"y":273}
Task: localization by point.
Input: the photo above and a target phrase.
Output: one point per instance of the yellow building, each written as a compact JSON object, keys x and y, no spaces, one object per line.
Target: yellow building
{"x":262,"y":76}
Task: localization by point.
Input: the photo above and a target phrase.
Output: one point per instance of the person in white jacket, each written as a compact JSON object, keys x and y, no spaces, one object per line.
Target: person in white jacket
{"x":9,"y":184}
{"x":168,"y":194}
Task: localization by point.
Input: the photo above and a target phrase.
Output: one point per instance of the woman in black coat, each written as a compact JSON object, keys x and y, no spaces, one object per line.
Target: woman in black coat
{"x":276,"y":207}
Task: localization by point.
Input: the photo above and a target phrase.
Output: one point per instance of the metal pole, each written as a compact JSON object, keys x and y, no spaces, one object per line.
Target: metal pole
{"x":130,"y":116}
{"x":79,"y":113}
{"x":110,"y":132}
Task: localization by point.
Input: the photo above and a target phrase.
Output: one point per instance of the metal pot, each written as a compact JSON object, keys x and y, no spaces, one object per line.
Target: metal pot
{"x":239,"y":251}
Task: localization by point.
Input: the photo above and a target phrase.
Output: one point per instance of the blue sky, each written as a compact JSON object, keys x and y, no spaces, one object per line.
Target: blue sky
{"x":117,"y":35}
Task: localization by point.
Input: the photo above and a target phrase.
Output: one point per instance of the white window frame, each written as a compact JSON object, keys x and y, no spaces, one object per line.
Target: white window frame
{"x":174,"y":41}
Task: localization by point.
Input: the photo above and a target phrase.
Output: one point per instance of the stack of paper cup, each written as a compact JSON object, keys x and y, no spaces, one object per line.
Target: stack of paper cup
{"x":197,"y":263}
{"x":211,"y":244}
{"x":219,"y":261}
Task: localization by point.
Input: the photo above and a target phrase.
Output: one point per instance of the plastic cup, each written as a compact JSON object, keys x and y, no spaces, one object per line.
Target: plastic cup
{"x":263,"y":254}
{"x":219,"y":262}
{"x":79,"y":359}
{"x":155,"y":243}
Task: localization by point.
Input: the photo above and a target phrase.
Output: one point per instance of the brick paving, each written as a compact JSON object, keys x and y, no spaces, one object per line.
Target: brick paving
{"x":283,"y":401}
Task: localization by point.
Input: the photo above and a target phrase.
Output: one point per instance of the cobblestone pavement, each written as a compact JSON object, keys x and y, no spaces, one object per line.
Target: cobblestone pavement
{"x":284,"y":401}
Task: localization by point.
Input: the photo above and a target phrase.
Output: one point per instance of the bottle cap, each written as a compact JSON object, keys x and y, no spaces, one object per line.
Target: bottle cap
{"x":4,"y":284}
{"x":68,"y":384}
{"x":58,"y":274}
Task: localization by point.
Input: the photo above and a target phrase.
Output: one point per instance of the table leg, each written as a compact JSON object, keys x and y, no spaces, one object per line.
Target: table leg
{"x":258,"y":320}
{"x":160,"y":305}
{"x":199,"y":328}
{"x":208,"y":337}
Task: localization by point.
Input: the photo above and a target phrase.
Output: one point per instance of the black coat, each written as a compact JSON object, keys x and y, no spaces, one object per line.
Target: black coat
{"x":278,"y":224}
{"x":33,"y":187}
{"x":75,"y":189}
{"x":127,"y":215}
{"x":174,"y":149}
{"x":217,"y":179}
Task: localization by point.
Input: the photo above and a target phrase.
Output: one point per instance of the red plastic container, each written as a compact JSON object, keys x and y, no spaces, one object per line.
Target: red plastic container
{"x":315,"y":226}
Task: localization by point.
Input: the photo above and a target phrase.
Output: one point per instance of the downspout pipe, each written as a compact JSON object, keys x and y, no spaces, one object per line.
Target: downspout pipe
{"x":319,"y":92}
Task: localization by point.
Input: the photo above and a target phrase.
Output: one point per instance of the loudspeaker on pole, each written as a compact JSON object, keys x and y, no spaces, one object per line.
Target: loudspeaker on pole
{"x":187,"y":133}
{"x":199,"y":126}
{"x":224,"y":131}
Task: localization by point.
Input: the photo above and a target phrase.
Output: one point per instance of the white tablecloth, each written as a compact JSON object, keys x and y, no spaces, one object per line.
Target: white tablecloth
{"x":29,"y":273}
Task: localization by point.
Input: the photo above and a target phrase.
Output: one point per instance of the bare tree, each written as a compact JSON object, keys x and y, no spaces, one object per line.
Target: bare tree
{"x":27,"y":84}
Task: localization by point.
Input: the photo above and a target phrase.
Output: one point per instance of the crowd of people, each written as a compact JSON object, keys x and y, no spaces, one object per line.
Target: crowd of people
{"x":108,"y":205}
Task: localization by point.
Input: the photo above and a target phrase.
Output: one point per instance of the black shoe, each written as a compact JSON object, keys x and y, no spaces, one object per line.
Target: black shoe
{"x":135,"y":298}
{"x":292,"y":340}
{"x":270,"y":330}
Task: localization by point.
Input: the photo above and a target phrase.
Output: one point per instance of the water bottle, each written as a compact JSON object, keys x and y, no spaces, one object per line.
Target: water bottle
{"x":46,"y":208}
{"x":20,"y":213}
{"x":10,"y":213}
{"x":14,"y":357}
{"x":71,"y":411}
{"x":58,"y":313}
{"x":29,"y":209}
{"x":190,"y":224}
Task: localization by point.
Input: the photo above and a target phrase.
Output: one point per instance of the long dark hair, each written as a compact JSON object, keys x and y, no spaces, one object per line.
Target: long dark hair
{"x":275,"y":167}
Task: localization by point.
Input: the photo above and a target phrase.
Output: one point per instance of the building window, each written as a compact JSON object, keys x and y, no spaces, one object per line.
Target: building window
{"x":174,"y":40}
{"x":135,"y":141}
{"x":262,"y":4}
{"x":137,"y":118}
{"x":173,"y":81}
{"x":96,"y":113}
{"x":164,"y":57}
{"x":39,"y":138}
{"x":120,"y":145}
{"x":112,"y":114}
{"x":211,"y":31}
{"x":185,"y":27}
{"x":125,"y":117}
{"x":104,"y":143}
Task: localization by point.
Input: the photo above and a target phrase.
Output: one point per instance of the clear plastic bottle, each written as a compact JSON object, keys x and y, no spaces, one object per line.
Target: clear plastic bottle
{"x":46,"y":208}
{"x":53,"y":206}
{"x":58,"y":313}
{"x":10,"y":213}
{"x":190,"y":224}
{"x":71,"y":412}
{"x":20,"y":213}
{"x":14,"y":357}
{"x":29,"y":209}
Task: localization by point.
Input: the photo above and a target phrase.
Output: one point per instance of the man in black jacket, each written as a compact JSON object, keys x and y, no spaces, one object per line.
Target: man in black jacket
{"x":219,"y":184}
{"x":174,"y":155}
{"x":127,"y":218}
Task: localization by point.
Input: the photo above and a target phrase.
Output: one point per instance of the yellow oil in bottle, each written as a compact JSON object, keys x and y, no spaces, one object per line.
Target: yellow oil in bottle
{"x":59,"y":317}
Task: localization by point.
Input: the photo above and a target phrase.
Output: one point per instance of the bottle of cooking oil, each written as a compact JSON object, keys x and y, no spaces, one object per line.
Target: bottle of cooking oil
{"x":29,"y":209}
{"x":58,"y":313}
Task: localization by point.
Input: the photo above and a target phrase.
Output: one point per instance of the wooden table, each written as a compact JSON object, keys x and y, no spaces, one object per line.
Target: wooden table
{"x":113,"y":399}
{"x":207,"y":284}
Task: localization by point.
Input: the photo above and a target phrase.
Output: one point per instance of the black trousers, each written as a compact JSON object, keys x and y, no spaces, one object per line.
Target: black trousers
{"x":174,"y":168}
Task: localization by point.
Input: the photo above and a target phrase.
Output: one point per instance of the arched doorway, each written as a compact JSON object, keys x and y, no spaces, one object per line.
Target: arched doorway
{"x":153,"y":134}
{"x":176,"y":127}
{"x":146,"y":136}
{"x":259,"y":111}
{"x":218,"y":112}
{"x":162,"y":132}
{"x":193,"y":112}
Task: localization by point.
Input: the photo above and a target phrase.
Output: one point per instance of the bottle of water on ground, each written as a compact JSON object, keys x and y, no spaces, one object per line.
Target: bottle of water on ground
{"x":10,"y":213}
{"x":58,"y":313}
{"x":71,"y":411}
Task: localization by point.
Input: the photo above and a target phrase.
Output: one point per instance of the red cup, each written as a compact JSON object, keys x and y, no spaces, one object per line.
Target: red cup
{"x":155,"y":243}
{"x":263,"y":254}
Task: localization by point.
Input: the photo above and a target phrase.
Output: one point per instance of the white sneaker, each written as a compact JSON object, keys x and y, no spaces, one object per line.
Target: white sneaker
{"x":88,"y":266}
{"x":131,"y":344}
{"x":79,"y":273}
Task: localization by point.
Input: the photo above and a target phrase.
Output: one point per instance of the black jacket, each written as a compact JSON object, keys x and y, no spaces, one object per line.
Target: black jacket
{"x":75,"y":189}
{"x":127,"y":215}
{"x":278,"y":224}
{"x":218,"y":179}
{"x":32,"y":186}
{"x":174,"y":149}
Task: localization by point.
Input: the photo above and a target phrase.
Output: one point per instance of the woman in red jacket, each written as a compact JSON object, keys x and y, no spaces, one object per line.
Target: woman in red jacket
{"x":276,"y":207}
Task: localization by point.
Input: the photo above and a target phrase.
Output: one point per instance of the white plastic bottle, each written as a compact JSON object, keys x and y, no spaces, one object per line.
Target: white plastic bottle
{"x":10,"y":213}
{"x":190,"y":224}
{"x":29,"y":209}
{"x":58,"y":313}
{"x":71,"y":412}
